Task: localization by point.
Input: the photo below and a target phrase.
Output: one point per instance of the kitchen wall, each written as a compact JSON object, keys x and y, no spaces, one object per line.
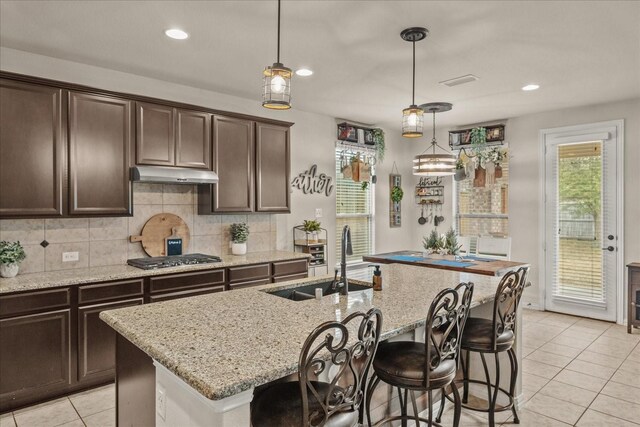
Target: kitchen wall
{"x":105,"y":241}
{"x":313,"y":140}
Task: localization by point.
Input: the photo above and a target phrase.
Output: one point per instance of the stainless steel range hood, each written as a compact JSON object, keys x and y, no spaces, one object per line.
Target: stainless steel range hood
{"x":167,"y":175}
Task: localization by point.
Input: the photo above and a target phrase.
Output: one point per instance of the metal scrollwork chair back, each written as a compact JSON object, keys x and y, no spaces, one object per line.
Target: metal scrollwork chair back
{"x":445,"y":323}
{"x":506,"y":302}
{"x":350,"y":348}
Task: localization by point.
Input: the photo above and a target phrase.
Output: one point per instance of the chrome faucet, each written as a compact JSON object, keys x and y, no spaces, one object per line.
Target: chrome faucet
{"x":346,"y":250}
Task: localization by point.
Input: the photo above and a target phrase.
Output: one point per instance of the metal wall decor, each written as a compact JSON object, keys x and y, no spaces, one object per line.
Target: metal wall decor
{"x":276,"y":86}
{"x":413,"y":116}
{"x":310,"y":183}
{"x":395,"y":206}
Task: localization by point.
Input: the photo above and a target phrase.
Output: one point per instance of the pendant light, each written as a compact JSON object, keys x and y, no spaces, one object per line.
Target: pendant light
{"x":412,"y":117}
{"x":276,"y":86}
{"x":434,"y":164}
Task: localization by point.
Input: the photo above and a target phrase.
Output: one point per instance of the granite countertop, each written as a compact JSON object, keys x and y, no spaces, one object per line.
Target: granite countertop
{"x":222,"y":344}
{"x":54,"y":279}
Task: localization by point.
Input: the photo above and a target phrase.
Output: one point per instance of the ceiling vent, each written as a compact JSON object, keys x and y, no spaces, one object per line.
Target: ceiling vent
{"x":457,"y":81}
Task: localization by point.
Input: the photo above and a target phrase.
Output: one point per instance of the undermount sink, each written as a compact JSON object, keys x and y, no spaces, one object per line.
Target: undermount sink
{"x":305,"y":292}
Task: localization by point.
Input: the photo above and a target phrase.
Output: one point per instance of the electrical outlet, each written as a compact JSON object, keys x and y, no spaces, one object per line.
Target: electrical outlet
{"x":70,"y":256}
{"x":161,"y":403}
{"x":318,"y":213}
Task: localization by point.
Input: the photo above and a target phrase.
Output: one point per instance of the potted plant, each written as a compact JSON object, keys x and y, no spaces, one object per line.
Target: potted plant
{"x":433,"y":243}
{"x":451,"y":245}
{"x":378,"y":139}
{"x":11,"y":255}
{"x":478,"y":138}
{"x":239,"y":235}
{"x":460,"y":173}
{"x":497,"y":155}
{"x":311,"y":227}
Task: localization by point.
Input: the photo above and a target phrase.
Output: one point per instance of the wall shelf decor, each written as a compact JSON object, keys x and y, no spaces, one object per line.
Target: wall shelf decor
{"x":314,"y":244}
{"x":395,"y":205}
{"x":462,"y":138}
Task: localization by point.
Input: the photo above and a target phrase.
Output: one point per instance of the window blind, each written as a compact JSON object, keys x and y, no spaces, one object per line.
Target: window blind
{"x":577,"y":215}
{"x":354,"y":207}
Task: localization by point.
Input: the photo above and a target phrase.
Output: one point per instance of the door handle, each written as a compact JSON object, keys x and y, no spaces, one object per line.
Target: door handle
{"x":609,"y":248}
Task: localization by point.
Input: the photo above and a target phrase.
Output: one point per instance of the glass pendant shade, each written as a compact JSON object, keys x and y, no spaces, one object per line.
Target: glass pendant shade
{"x":412,"y":122}
{"x":434,"y":164}
{"x":276,"y":87}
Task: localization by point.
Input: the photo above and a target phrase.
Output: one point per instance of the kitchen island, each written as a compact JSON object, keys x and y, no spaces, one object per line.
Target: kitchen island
{"x":205,"y":355}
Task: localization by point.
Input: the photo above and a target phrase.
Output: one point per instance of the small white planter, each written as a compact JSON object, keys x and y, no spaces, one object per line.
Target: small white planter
{"x":9,"y":270}
{"x":238,"y":248}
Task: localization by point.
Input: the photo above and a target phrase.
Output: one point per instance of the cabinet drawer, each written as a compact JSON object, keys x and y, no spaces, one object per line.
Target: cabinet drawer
{"x":111,"y":290}
{"x":189,"y":293}
{"x":177,"y":282}
{"x":286,"y":268}
{"x":290,"y":277}
{"x":248,"y":273}
{"x":12,"y":305}
{"x":249,"y":284}
{"x":634,"y":276}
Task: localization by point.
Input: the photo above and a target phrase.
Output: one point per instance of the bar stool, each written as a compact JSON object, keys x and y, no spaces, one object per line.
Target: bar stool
{"x":350,"y":346}
{"x":495,"y":336}
{"x":428,"y":366}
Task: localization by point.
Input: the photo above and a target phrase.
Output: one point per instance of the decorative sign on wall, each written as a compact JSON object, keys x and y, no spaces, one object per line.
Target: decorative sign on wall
{"x":309,"y":183}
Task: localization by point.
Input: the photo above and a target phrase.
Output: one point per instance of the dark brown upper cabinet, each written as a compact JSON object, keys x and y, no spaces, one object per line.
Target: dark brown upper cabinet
{"x":100,"y":137}
{"x":167,"y":136}
{"x":233,"y":161}
{"x":155,"y":135}
{"x":272,"y":168}
{"x":193,"y":139}
{"x":252,"y":162}
{"x":32,"y":150}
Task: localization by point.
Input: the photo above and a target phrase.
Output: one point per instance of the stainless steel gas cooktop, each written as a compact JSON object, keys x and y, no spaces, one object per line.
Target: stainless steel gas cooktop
{"x":172,"y":261}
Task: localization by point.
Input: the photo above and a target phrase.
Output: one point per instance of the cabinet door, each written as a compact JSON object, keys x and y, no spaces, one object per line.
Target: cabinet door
{"x":97,"y":342}
{"x":35,"y":356}
{"x":100,"y":135}
{"x":272,"y":168}
{"x":155,"y":132}
{"x":233,"y":154}
{"x":193,"y":139}
{"x":32,"y":150}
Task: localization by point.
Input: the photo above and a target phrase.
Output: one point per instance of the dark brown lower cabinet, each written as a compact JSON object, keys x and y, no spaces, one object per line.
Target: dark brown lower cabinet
{"x":53,"y":342}
{"x":35,"y":356}
{"x":97,"y":342}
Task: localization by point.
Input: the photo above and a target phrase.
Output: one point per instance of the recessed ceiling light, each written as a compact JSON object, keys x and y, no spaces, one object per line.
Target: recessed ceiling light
{"x":177,"y":34}
{"x":530,"y":87}
{"x":304,"y":72}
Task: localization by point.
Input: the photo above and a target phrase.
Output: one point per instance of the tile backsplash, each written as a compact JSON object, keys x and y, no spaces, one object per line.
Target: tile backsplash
{"x":105,"y":241}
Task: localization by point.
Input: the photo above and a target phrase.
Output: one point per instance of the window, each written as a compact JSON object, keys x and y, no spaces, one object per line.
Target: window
{"x":354,"y":207}
{"x":483,"y":210}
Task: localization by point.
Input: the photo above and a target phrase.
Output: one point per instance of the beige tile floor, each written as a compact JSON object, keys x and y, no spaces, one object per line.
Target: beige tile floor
{"x":575,"y":372}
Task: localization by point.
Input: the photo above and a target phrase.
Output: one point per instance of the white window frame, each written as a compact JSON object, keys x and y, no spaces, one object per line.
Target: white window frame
{"x":353,"y":265}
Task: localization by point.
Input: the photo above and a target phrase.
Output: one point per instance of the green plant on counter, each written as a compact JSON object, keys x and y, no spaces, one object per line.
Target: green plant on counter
{"x":311,"y":225}
{"x":396,"y":194}
{"x":378,"y":139}
{"x":451,"y":244}
{"x":432,"y":243}
{"x":11,"y":252}
{"x":239,"y":232}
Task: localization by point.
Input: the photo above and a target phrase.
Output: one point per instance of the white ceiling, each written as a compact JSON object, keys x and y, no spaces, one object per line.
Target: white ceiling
{"x":579,"y":52}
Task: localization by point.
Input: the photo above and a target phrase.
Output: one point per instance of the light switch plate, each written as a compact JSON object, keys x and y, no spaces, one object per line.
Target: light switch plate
{"x":318,"y":213}
{"x":70,"y":256}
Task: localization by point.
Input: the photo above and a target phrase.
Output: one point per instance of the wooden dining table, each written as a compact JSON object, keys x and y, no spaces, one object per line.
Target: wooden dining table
{"x":466,"y":264}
